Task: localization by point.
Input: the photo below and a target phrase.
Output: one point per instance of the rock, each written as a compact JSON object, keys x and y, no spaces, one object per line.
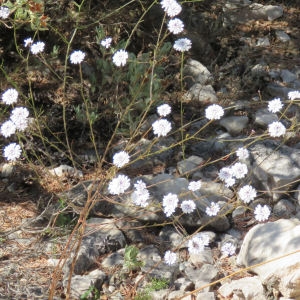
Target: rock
{"x":66,"y":171}
{"x":297,"y":194}
{"x":278,"y":91}
{"x":202,"y":93}
{"x":184,"y":284}
{"x":7,"y":169}
{"x":263,"y":117}
{"x":206,"y":296}
{"x":81,"y":284}
{"x":160,"y":295}
{"x":284,"y":208}
{"x":205,"y":257}
{"x":195,"y":72}
{"x":234,"y":124}
{"x":248,"y":288}
{"x":263,"y":42}
{"x":170,"y":236}
{"x":287,"y":76}
{"x":275,"y":166}
{"x":282,"y":36}
{"x":265,"y":242}
{"x":114,"y":259}
{"x":190,"y":165}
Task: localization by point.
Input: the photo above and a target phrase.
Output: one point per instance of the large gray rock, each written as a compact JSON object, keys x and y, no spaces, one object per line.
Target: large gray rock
{"x":275,"y":246}
{"x":234,"y":124}
{"x":202,"y":93}
{"x":248,"y":288}
{"x":274,"y":167}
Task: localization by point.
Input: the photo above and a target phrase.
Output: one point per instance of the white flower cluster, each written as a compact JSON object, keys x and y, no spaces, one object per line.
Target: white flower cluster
{"x":77,"y":57}
{"x":141,"y":195}
{"x":119,"y":185}
{"x":262,"y":213}
{"x":213,"y":209}
{"x":294,"y":95}
{"x":194,"y":185}
{"x":236,"y":171}
{"x":228,"y":249}
{"x":37,"y":48}
{"x":4,"y":12}
{"x":242,"y":153}
{"x":12,"y":152}
{"x":170,"y":202}
{"x":170,"y":258}
{"x":197,"y":243}
{"x":276,"y":129}
{"x":188,"y":206}
{"x":247,"y":193}
{"x":175,"y":26}
{"x":275,"y":105}
{"x":120,"y":58}
{"x":162,"y":127}
{"x":120,"y":159}
{"x":10,"y":96}
{"x":171,"y":7}
{"x":164,"y":110}
{"x":214,"y":112}
{"x":106,"y":43}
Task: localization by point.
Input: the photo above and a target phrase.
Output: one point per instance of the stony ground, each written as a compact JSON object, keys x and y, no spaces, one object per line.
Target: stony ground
{"x":27,"y":242}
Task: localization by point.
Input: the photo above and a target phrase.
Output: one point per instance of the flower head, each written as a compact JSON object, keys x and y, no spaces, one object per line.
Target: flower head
{"x":164,"y":110}
{"x":140,"y":185}
{"x":182,"y":45}
{"x":213,"y":209}
{"x":8,"y":128}
{"x":247,"y":193}
{"x":120,"y":159}
{"x":120,"y":58}
{"x":37,"y":47}
{"x":77,"y":57}
{"x":262,"y":213}
{"x":12,"y":151}
{"x":294,"y":95}
{"x":119,"y":185}
{"x":242,"y":153}
{"x":4,"y":12}
{"x":161,"y":127}
{"x":171,"y":7}
{"x":197,"y":243}
{"x":228,"y":249}
{"x":19,"y":116}
{"x":28,"y":42}
{"x":188,"y":206}
{"x":214,"y":112}
{"x":140,"y":197}
{"x":275,"y":105}
{"x":10,"y":96}
{"x":175,"y":26}
{"x":239,"y":170}
{"x":276,"y":129}
{"x":106,"y":42}
{"x":170,"y":258}
{"x":170,"y":202}
{"x":225,"y":173}
{"x":194,"y":185}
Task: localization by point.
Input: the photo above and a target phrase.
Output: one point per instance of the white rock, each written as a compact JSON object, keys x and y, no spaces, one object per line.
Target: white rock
{"x":282,"y":36}
{"x":65,"y":170}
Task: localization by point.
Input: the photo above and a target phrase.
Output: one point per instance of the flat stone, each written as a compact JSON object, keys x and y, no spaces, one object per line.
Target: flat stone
{"x":287,"y":76}
{"x":195,"y":72}
{"x":234,"y":124}
{"x":202,"y":93}
{"x":263,"y":117}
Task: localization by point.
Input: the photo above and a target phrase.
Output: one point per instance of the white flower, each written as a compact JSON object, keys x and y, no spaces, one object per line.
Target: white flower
{"x":4,"y":12}
{"x":182,"y":45}
{"x":294,"y":95}
{"x":37,"y":47}
{"x":19,"y":116}
{"x":229,"y":182}
{"x":12,"y":151}
{"x":119,"y":185}
{"x":28,"y":42}
{"x":228,"y":249}
{"x":10,"y":96}
{"x":163,"y":110}
{"x":170,"y":202}
{"x":194,"y":185}
{"x":8,"y":128}
{"x":140,"y":197}
{"x":120,"y":159}
{"x":170,"y":258}
{"x":275,"y":105}
{"x":262,"y":213}
{"x":239,"y":170}
{"x":276,"y":129}
{"x":242,"y":153}
{"x":175,"y":26}
{"x":214,"y":112}
{"x":188,"y":206}
{"x":247,"y":193}
{"x":77,"y":57}
{"x":225,"y":173}
{"x":120,"y":58}
{"x":171,"y":7}
{"x":161,"y":127}
{"x":140,"y":185}
{"x":213,"y":209}
{"x":197,"y":243}
{"x":106,"y":42}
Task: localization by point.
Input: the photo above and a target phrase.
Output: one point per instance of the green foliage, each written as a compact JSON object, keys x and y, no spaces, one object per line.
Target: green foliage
{"x":156,"y":284}
{"x":91,"y":294}
{"x":131,"y":262}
